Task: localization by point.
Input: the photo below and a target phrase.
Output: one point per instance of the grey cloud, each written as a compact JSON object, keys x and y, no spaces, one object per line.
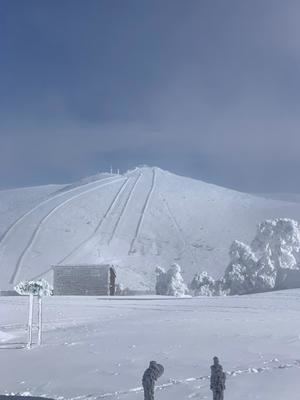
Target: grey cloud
{"x":218,"y":101}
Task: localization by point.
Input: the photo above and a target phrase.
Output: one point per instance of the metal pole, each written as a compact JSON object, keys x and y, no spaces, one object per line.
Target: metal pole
{"x":30,"y":315}
{"x":40,"y":322}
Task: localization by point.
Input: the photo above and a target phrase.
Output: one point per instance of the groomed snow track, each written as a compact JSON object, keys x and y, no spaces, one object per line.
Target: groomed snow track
{"x":104,"y":233}
{"x":48,"y":200}
{"x":124,"y":208}
{"x":100,"y":223}
{"x":79,"y":191}
{"x":142,"y":215}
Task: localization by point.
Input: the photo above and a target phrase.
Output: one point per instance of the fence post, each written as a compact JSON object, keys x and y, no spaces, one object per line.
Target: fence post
{"x":30,"y":317}
{"x":40,"y":321}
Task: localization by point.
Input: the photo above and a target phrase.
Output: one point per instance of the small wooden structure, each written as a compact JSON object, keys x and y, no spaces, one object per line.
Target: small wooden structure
{"x":84,"y":280}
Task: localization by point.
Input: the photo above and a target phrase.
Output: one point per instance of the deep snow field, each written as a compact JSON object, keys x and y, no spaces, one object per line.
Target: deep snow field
{"x":98,"y":348}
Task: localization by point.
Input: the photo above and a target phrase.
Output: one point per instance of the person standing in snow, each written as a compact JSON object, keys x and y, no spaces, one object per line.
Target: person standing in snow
{"x":152,"y":373}
{"x":217,"y":380}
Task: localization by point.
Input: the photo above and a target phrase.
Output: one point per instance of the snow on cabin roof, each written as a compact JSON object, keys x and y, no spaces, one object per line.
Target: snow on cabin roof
{"x":106,"y":266}
{"x":87,"y":266}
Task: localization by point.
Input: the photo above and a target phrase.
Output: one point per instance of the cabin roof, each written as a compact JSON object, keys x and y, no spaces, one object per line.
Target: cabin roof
{"x":96,"y":266}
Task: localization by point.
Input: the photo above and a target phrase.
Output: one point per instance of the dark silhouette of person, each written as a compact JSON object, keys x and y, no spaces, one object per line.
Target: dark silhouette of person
{"x":152,"y":373}
{"x":217,"y":380}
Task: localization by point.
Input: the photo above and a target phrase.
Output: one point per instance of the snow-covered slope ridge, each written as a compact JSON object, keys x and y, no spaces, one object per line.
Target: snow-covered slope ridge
{"x":144,"y":218}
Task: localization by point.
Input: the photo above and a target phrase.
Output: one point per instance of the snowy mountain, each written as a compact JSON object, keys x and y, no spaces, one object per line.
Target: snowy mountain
{"x":144,"y":218}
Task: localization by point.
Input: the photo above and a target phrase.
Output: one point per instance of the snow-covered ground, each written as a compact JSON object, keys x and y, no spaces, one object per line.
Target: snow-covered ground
{"x":144,"y":218}
{"x":98,"y":348}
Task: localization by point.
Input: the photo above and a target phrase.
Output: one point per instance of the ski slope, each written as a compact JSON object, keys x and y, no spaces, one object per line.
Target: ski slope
{"x":138,"y":220}
{"x":105,"y":344}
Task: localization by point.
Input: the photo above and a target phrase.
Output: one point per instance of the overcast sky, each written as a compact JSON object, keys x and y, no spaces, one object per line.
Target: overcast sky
{"x":205,"y":88}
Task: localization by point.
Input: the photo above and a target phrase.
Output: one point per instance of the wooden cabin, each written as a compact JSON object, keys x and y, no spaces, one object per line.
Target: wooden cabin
{"x":84,"y":280}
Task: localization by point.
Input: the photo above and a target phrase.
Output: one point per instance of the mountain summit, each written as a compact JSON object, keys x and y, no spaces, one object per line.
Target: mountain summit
{"x":138,"y":220}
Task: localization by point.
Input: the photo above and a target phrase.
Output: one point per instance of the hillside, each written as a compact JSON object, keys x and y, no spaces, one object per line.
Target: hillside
{"x":138,"y":220}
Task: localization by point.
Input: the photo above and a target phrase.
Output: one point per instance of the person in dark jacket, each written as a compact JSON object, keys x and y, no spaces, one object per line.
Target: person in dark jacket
{"x":217,"y":380}
{"x":152,"y":373}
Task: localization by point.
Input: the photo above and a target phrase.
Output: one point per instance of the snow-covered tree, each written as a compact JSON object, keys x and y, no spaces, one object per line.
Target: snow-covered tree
{"x":239,"y":275}
{"x":266,"y":275}
{"x":280,"y":240}
{"x":170,"y":283}
{"x":258,"y":267}
{"x":203,"y":285}
{"x":176,"y":285}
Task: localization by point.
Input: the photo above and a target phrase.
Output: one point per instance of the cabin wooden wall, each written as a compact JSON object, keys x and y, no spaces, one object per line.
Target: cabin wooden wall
{"x":81,"y":281}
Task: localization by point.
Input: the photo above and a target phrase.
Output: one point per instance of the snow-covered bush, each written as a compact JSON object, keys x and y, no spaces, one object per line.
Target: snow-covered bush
{"x":219,"y":288}
{"x":170,"y":283}
{"x":36,"y":288}
{"x":203,"y":285}
{"x":119,"y":289}
{"x":122,"y":290}
{"x":257,"y":268}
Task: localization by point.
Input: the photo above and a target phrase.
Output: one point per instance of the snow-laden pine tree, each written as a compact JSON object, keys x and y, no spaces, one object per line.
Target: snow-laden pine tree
{"x":170,"y":283}
{"x":266,"y":274}
{"x":176,"y":285}
{"x":259,"y":267}
{"x":239,"y":276}
{"x":279,"y":240}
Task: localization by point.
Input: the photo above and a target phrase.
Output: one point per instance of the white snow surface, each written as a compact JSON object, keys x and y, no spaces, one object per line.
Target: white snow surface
{"x":144,"y":218}
{"x":98,"y":348}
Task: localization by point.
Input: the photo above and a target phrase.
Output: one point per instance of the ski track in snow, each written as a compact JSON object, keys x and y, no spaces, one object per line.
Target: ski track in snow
{"x":124,"y":208}
{"x":175,"y":224}
{"x":144,"y":209}
{"x":45,"y":218}
{"x":173,"y":219}
{"x":179,"y":230}
{"x":100,"y":223}
{"x":172,"y":382}
{"x":51,"y":198}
